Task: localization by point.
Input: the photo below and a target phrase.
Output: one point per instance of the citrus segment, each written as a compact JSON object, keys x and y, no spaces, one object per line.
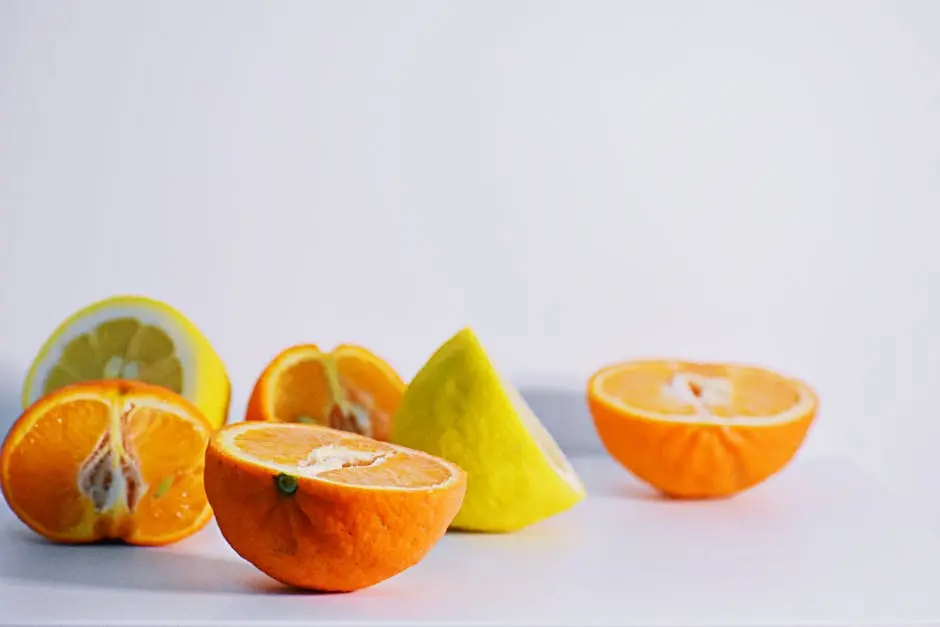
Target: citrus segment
{"x":52,"y":498}
{"x":349,"y":389}
{"x":351,"y":460}
{"x":695,"y":430}
{"x":132,"y":338}
{"x":459,"y":407}
{"x":671,"y":389}
{"x":108,"y":460}
{"x":320,"y":508}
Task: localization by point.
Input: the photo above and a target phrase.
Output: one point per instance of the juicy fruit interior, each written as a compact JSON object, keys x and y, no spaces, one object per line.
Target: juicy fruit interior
{"x":120,"y":348}
{"x":702,"y":389}
{"x":94,"y":469}
{"x":339,"y":394}
{"x":331,"y":456}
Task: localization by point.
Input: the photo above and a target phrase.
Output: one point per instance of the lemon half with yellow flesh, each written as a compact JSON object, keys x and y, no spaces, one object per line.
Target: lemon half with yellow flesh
{"x":136,"y":338}
{"x":459,"y":407}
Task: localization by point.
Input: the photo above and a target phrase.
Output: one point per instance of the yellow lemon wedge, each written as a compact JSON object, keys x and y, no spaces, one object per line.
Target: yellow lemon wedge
{"x":459,"y":408}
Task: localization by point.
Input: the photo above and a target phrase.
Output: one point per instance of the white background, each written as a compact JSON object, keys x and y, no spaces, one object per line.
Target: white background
{"x":581,"y":182}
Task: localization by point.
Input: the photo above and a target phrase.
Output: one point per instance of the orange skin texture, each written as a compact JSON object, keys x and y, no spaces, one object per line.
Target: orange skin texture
{"x":354,"y":364}
{"x":325,"y":536}
{"x":697,"y":461}
{"x":46,"y":448}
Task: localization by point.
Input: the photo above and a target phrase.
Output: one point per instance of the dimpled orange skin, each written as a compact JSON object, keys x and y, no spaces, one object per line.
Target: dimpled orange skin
{"x":325,"y":536}
{"x":692,"y":460}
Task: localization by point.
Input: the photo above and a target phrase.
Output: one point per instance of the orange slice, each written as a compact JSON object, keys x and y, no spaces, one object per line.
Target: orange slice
{"x":349,"y":389}
{"x":324,"y":509}
{"x":108,"y":460}
{"x":694,"y":430}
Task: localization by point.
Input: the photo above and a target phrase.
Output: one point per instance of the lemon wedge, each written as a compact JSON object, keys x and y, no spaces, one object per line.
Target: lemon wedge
{"x":459,"y":407}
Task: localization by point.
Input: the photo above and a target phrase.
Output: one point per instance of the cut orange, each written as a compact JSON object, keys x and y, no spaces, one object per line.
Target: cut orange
{"x":695,"y":430}
{"x":350,"y":389}
{"x":108,"y":460}
{"x":315,"y":507}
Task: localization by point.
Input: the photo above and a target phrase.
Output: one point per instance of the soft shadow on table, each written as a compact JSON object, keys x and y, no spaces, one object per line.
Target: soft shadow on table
{"x":120,"y":566}
{"x":633,"y":490}
{"x":564,"y":412}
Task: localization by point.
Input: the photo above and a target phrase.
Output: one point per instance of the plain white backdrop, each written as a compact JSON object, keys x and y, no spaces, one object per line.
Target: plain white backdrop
{"x":580,"y":181}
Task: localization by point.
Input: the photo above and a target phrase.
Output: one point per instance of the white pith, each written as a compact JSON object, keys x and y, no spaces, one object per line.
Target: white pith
{"x":333,"y":457}
{"x":703,"y":392}
{"x":88,"y":321}
{"x":116,"y":496}
{"x":322,"y":459}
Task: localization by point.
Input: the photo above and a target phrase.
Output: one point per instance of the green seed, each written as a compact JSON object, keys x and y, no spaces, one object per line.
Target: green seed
{"x":287,"y":484}
{"x":306,"y":420}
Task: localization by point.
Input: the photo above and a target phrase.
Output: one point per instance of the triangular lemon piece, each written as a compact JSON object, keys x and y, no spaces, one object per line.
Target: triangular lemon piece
{"x":459,"y":407}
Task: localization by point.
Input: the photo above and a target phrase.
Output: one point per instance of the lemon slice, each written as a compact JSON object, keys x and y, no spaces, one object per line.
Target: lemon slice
{"x":458,"y":407}
{"x":135,"y":338}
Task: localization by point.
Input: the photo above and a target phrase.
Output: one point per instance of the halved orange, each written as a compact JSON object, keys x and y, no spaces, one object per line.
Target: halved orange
{"x":319,"y":508}
{"x":350,"y":389}
{"x":699,"y":430}
{"x":108,"y":460}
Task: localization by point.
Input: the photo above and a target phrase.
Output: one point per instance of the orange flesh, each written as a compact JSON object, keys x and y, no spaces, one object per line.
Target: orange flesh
{"x":302,"y":391}
{"x":170,"y":452}
{"x":386,"y":467}
{"x":753,"y":392}
{"x":368,"y":385}
{"x":115,"y":467}
{"x":51,"y":454}
{"x":364,"y":399}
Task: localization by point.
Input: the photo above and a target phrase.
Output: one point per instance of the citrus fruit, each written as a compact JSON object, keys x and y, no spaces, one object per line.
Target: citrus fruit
{"x":458,"y":407}
{"x":319,"y":508}
{"x":132,"y":338}
{"x":699,"y":430}
{"x":108,"y":460}
{"x":349,"y":388}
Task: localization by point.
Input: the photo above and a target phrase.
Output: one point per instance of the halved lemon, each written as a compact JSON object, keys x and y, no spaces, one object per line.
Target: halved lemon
{"x":132,"y":338}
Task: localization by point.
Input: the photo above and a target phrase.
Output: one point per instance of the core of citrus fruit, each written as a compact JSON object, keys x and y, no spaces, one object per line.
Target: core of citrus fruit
{"x":458,"y":407}
{"x":108,"y":460}
{"x":698,"y":430}
{"x":318,"y":508}
{"x":132,"y":338}
{"x":349,"y":388}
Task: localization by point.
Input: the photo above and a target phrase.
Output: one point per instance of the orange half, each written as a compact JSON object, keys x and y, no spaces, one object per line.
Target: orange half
{"x":349,"y":388}
{"x":320,"y":508}
{"x":699,"y":430}
{"x":108,"y":460}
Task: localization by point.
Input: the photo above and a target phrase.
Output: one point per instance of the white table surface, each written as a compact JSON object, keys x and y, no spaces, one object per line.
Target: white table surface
{"x":822,"y":543}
